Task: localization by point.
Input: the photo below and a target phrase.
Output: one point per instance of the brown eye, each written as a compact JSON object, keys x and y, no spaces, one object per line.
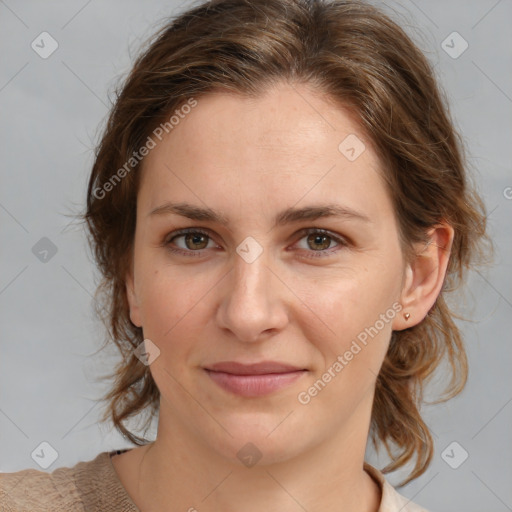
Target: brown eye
{"x":196,"y":241}
{"x":316,"y":242}
{"x":319,"y":241}
{"x":191,"y":241}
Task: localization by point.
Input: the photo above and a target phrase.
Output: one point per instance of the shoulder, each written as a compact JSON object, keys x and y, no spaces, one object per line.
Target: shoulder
{"x":87,"y":486}
{"x":391,"y":500}
{"x":31,"y":489}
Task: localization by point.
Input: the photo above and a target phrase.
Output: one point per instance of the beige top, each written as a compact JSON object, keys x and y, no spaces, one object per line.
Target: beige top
{"x":94,"y":486}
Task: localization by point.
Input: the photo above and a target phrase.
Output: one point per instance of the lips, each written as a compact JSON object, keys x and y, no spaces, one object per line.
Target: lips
{"x":253,"y":380}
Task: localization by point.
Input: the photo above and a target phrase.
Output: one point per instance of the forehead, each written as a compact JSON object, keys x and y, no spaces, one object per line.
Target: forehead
{"x":286,"y":144}
{"x":284,"y":117}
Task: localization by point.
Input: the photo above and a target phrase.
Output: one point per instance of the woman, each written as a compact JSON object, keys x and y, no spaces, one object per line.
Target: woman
{"x":278,"y":206}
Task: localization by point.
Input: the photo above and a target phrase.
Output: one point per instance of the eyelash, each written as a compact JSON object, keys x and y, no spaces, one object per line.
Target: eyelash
{"x":305,"y":232}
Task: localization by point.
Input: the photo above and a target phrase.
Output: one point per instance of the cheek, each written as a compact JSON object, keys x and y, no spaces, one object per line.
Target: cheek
{"x":350,"y":309}
{"x":169,"y":297}
{"x":175,"y":317}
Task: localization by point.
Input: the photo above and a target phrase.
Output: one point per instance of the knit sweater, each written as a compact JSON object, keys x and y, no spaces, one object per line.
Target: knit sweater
{"x":94,"y":486}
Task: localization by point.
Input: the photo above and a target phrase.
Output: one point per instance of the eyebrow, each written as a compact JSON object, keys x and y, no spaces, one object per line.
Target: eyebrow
{"x":287,"y":216}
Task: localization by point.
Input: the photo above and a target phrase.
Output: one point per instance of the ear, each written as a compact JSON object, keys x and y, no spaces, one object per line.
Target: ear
{"x":133,"y":301}
{"x":424,"y":276}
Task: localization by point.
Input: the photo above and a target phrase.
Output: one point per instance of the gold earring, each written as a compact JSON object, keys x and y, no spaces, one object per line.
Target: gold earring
{"x":407,"y":316}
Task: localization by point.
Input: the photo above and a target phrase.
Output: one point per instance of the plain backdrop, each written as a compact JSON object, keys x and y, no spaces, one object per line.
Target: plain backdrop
{"x":51,"y":112}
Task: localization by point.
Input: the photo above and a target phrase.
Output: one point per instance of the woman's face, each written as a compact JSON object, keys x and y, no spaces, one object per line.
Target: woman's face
{"x":250,"y":289}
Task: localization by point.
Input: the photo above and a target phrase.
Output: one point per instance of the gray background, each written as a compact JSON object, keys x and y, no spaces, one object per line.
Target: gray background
{"x":52,"y":110}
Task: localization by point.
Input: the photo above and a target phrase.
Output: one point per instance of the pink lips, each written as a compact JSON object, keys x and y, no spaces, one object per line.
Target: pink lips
{"x":253,"y":379}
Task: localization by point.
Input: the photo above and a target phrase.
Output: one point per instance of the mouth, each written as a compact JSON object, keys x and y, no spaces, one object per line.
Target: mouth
{"x":252,"y":380}
{"x":261,"y":368}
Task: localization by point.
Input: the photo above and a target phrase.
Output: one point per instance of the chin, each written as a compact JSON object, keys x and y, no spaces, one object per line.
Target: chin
{"x":262,"y":445}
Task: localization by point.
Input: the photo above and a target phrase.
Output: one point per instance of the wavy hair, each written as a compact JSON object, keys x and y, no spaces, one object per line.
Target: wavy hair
{"x":361,"y":60}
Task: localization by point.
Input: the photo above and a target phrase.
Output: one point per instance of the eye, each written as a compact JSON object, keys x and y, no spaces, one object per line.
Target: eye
{"x":193,"y":241}
{"x":317,"y":241}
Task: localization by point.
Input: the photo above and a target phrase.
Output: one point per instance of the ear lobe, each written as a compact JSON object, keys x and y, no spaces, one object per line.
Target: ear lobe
{"x":133,"y":302}
{"x":425,"y":276}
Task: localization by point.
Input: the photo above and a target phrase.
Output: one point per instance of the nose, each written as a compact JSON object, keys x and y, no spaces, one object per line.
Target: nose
{"x":253,"y":302}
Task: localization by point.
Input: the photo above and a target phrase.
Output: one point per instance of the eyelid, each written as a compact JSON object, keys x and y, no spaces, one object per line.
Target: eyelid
{"x":185,"y":231}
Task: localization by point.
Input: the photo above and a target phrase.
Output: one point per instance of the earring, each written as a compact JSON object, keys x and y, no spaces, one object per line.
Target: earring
{"x":407,"y":316}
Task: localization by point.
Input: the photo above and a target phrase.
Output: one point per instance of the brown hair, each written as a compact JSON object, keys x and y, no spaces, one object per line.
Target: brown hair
{"x":359,"y":59}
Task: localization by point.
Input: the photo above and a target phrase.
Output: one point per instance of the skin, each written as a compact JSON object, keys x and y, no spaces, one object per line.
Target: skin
{"x":249,"y":160}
